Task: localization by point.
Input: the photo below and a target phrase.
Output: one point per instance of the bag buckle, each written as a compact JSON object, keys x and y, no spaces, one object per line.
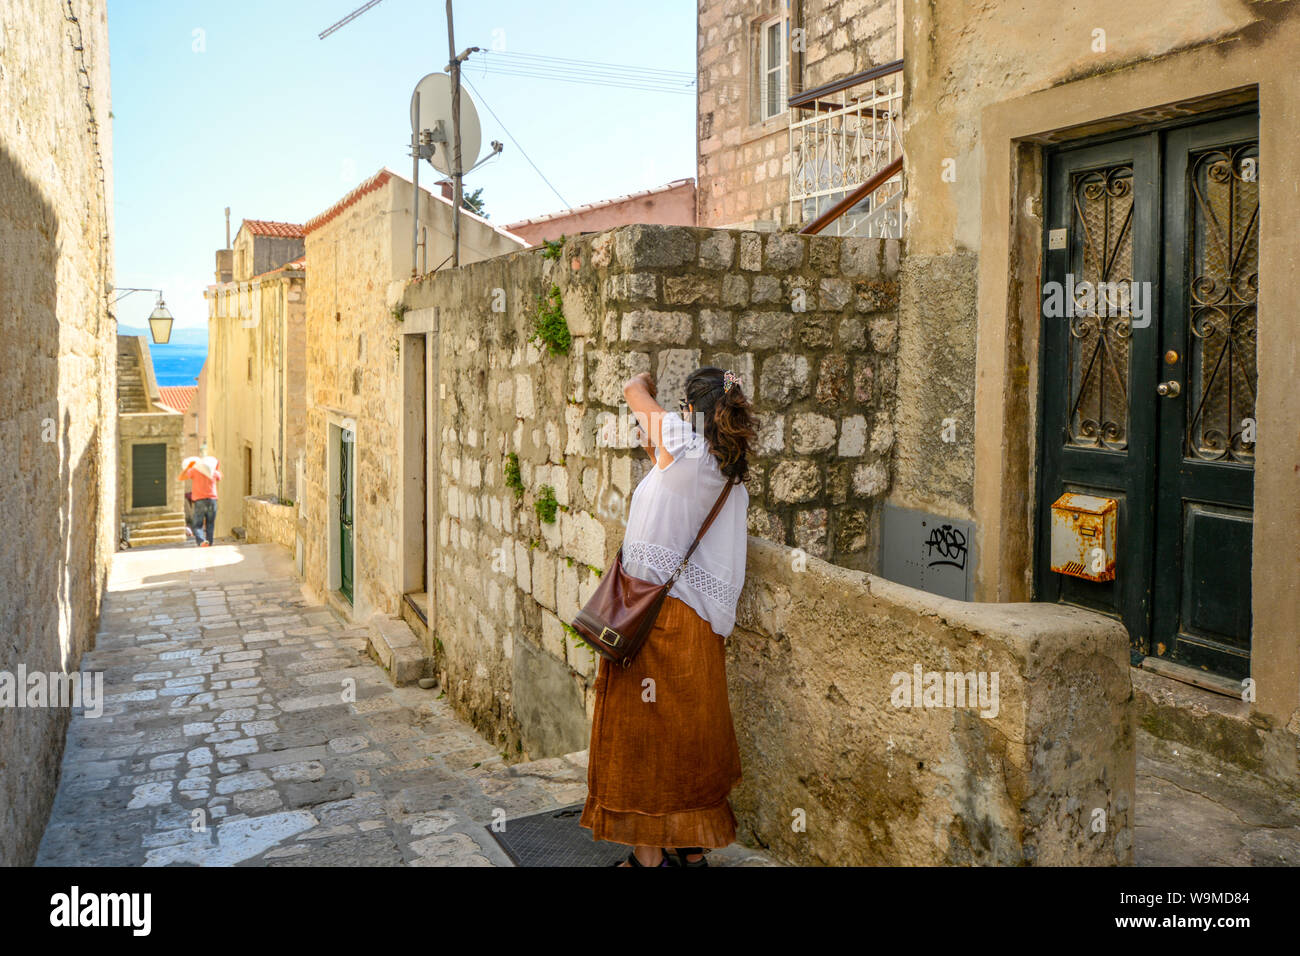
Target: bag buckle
{"x":605,"y":640}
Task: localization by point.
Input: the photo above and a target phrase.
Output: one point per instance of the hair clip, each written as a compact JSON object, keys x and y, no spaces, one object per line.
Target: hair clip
{"x":729,"y":379}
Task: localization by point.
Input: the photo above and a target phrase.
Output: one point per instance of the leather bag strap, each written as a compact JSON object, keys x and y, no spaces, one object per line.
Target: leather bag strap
{"x":717,"y":506}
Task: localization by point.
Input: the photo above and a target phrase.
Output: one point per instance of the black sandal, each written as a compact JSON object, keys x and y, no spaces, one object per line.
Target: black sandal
{"x":633,"y":861}
{"x":683,"y":852}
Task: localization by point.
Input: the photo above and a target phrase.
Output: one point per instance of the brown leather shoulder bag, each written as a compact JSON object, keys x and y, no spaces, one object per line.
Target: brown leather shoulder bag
{"x":620,"y":615}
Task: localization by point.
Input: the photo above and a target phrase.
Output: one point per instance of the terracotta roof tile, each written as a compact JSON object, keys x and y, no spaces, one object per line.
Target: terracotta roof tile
{"x":178,"y":397}
{"x":277,"y":230}
{"x":376,"y":181}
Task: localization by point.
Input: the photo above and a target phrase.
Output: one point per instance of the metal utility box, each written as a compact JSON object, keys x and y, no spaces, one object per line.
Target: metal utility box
{"x":1083,"y":536}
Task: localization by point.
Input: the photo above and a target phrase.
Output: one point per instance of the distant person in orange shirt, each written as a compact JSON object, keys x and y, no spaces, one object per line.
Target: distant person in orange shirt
{"x":203,"y":475}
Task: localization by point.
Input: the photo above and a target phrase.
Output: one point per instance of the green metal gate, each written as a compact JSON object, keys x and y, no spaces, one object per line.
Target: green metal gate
{"x":148,"y":476}
{"x":347,"y":443}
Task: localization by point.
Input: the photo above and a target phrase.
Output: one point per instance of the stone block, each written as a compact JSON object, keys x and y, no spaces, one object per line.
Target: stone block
{"x":784,"y":378}
{"x":853,"y":437}
{"x":795,"y":481}
{"x":656,"y":327}
{"x":811,"y":433}
{"x":870,"y":481}
{"x":861,"y":257}
{"x":715,"y":326}
{"x":717,"y":250}
{"x":735,"y":290}
{"x":673,"y":368}
{"x":833,"y":381}
{"x":784,"y":251}
{"x":654,"y":246}
{"x":764,"y":330}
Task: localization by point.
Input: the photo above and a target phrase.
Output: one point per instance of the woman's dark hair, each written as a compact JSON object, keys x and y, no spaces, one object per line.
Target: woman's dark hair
{"x":727,"y":416}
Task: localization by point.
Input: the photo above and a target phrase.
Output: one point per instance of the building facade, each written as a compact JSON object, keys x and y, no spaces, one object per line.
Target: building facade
{"x":366,"y":392}
{"x":672,"y":204}
{"x":1092,"y":331}
{"x":150,"y":447}
{"x":58,"y":421}
{"x":756,"y":57}
{"x":255,"y":382}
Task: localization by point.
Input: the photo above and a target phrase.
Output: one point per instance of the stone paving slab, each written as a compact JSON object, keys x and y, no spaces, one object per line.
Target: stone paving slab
{"x":245,"y":726}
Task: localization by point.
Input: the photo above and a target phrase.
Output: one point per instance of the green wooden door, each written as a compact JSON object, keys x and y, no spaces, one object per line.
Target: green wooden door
{"x":148,"y":476}
{"x":347,"y":444}
{"x":1148,"y":390}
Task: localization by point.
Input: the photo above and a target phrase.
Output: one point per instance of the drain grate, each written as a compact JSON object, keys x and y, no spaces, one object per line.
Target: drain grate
{"x":553,"y":838}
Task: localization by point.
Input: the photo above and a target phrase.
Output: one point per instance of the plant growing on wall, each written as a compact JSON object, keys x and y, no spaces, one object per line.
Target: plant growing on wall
{"x":549,"y":328}
{"x":551,"y":248}
{"x":546,"y":504}
{"x":513,"y":481}
{"x":400,"y":310}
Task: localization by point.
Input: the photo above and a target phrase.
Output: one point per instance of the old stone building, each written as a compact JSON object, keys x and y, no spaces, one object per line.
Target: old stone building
{"x":1122,"y":143}
{"x":150,"y":446}
{"x":364,"y":391}
{"x":1048,"y":149}
{"x":58,"y":421}
{"x":256,"y":376}
{"x":797,"y":104}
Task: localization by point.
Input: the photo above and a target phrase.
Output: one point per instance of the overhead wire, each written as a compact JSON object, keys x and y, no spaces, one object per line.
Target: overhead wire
{"x":522,"y":151}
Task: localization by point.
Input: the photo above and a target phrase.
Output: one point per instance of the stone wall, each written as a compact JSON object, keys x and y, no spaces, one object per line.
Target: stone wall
{"x":840,"y":768}
{"x":743,"y":168}
{"x":666,"y":300}
{"x":266,"y":521}
{"x":57,"y":385}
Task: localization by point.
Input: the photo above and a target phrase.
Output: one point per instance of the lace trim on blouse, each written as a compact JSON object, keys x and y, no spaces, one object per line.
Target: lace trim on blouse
{"x":666,"y":561}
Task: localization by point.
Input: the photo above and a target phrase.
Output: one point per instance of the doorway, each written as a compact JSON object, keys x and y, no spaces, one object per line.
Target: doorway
{"x":1149,"y":379}
{"x":345,"y":530}
{"x":149,"y":475}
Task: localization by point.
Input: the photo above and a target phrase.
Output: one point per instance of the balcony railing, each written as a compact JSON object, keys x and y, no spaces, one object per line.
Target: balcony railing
{"x":843,"y":136}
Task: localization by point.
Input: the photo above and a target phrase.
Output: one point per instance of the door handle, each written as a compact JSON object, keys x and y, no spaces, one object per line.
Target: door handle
{"x":1169,"y":389}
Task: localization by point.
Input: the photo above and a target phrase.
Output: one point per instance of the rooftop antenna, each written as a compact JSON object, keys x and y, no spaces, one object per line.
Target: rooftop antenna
{"x":446,"y":117}
{"x":445,"y":130}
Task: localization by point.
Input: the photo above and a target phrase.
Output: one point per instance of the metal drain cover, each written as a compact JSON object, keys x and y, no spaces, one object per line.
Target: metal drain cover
{"x":553,"y":838}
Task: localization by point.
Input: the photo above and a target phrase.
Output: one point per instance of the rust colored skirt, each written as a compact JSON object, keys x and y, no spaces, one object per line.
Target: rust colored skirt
{"x":659,"y":770}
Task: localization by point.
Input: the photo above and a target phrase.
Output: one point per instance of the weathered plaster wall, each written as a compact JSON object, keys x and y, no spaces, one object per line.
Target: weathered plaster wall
{"x":826,"y":746}
{"x":57,"y":384}
{"x":743,"y":161}
{"x":662,"y":299}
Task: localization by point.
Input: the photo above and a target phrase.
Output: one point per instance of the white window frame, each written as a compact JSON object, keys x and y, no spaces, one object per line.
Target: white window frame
{"x":768,"y":70}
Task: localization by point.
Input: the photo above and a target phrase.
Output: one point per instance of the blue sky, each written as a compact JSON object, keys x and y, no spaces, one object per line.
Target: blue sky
{"x":256,"y":113}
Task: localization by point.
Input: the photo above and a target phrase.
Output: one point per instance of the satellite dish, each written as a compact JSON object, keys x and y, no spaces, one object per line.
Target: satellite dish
{"x":434,"y":92}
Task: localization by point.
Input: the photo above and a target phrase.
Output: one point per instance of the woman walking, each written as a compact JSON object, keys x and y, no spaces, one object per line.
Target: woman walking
{"x":663,"y":753}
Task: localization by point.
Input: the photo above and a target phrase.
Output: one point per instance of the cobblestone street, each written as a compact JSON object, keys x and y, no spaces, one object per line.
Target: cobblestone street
{"x":224,"y":693}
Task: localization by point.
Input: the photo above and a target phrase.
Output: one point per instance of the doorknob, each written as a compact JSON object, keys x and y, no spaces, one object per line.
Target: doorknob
{"x":1169,"y":389}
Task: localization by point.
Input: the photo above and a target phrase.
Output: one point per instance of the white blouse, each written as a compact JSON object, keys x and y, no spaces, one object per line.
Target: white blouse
{"x":668,"y":507}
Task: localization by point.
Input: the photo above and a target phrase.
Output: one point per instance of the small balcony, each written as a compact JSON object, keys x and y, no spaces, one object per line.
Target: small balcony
{"x":846,"y":155}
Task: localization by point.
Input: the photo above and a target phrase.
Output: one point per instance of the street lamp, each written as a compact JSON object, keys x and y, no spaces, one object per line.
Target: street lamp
{"x":160,"y":323}
{"x":160,"y":320}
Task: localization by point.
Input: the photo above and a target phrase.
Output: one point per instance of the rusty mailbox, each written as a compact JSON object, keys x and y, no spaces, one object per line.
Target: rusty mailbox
{"x":1083,"y":536}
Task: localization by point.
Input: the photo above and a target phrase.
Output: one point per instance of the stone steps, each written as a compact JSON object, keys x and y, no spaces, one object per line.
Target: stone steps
{"x":393,"y":644}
